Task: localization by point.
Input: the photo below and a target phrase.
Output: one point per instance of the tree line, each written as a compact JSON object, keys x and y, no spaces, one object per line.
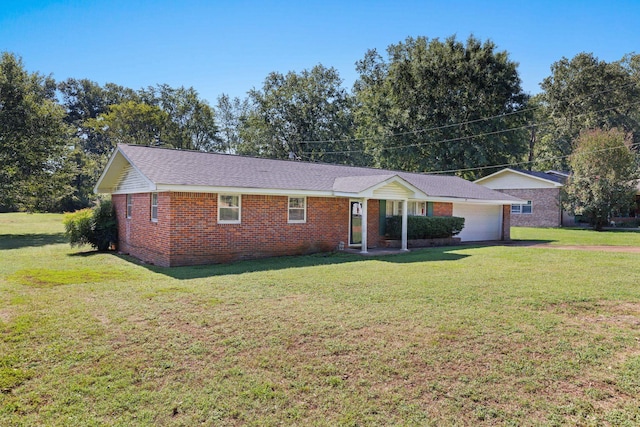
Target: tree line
{"x":425,"y":105}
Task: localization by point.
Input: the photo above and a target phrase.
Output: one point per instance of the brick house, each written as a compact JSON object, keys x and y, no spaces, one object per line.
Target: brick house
{"x":179,"y":207}
{"x":541,"y":192}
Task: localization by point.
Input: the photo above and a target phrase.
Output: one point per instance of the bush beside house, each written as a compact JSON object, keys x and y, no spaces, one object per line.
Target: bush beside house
{"x":96,"y":227}
{"x":425,"y":227}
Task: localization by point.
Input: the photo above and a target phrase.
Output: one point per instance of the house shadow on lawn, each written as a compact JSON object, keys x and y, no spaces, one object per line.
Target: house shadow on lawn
{"x":286,"y":262}
{"x":18,"y":241}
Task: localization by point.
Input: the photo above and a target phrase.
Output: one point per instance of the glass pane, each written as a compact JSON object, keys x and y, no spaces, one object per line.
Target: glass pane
{"x":154,"y":212}
{"x":296,"y":202}
{"x":515,"y":209}
{"x":229,"y":214}
{"x":526,"y":209}
{"x":296,"y":214}
{"x":229,"y":201}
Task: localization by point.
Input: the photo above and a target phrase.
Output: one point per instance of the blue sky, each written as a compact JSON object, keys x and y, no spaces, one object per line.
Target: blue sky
{"x":230,"y":46}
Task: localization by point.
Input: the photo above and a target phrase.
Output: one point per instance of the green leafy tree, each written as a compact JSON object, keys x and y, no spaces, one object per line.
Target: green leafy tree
{"x":191,"y":121}
{"x":84,"y":100}
{"x":586,"y":93}
{"x":604,"y":177}
{"x":307,"y":114}
{"x":427,"y":106}
{"x":34,"y":139}
{"x":132,"y":123}
{"x":229,"y":114}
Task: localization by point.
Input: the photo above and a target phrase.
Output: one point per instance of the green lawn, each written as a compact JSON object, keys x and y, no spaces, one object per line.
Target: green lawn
{"x":577,"y":236}
{"x":496,"y":335}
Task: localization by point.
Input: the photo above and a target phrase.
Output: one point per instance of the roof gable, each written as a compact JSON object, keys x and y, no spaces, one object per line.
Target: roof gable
{"x":122,"y":176}
{"x":509,"y":179}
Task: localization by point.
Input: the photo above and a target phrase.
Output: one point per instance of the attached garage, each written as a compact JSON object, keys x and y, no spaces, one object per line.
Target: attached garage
{"x":481,"y":222}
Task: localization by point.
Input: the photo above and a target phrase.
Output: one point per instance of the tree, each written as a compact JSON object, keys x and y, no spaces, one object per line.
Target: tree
{"x":306,"y":115}
{"x":191,"y":121}
{"x":34,"y":139}
{"x":132,"y":123}
{"x":587,"y":93}
{"x":441,"y":105}
{"x":604,"y":177}
{"x":85,"y":100}
{"x":229,"y":114}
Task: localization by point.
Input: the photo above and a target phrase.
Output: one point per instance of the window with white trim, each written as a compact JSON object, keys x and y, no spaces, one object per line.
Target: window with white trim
{"x":129,"y":205}
{"x":394,"y":208}
{"x":417,"y":209}
{"x":154,"y":207}
{"x":526,"y":208}
{"x":297,"y":209}
{"x":229,"y":208}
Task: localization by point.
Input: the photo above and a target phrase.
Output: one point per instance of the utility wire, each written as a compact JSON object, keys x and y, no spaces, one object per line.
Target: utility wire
{"x":636,"y":145}
{"x":482,"y":119}
{"x":420,"y":144}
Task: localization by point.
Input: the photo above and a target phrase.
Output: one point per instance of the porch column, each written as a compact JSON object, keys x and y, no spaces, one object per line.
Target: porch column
{"x":405,"y":208}
{"x":363,"y":248}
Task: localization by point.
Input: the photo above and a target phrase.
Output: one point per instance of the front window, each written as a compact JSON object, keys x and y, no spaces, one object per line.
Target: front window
{"x":394,"y":208}
{"x":229,"y":208}
{"x":417,"y":209}
{"x":154,"y":207}
{"x":129,"y":205}
{"x":297,"y":209}
{"x":526,"y":208}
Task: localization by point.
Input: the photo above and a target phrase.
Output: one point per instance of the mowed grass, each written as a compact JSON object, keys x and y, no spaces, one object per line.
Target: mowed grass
{"x":578,"y":236}
{"x":500,"y":335}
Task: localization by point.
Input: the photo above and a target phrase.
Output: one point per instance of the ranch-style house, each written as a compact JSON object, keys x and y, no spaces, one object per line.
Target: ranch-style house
{"x":178,"y":207}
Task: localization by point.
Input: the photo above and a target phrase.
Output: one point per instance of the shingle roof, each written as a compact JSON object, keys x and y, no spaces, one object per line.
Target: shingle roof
{"x":176,"y":167}
{"x":555,"y":177}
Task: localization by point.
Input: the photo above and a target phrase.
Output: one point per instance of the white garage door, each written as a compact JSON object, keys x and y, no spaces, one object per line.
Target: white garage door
{"x":481,"y":222}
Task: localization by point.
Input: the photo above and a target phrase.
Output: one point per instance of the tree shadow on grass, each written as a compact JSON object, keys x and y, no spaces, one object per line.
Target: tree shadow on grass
{"x":17,"y":241}
{"x":286,"y":262}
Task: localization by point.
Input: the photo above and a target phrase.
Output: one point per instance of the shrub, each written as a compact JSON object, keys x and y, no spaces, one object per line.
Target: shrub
{"x":77,"y":226}
{"x":425,"y":227}
{"x":96,"y":227}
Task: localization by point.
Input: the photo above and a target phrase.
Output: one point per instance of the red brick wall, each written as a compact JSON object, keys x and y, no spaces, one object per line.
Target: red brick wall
{"x":442,"y":209}
{"x":373,"y":224}
{"x":545,"y":207}
{"x":138,"y":235}
{"x":506,"y":222}
{"x":187,"y":231}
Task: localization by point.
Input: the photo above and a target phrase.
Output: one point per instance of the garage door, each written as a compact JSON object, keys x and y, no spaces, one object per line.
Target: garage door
{"x":481,"y":222}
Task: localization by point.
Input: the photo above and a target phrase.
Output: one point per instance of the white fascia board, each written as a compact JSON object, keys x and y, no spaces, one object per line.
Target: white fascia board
{"x":151,"y":185}
{"x":417,"y":193}
{"x":500,"y":172}
{"x":487,"y":202}
{"x":241,"y":190}
{"x":106,"y":169}
{"x":526,"y":175}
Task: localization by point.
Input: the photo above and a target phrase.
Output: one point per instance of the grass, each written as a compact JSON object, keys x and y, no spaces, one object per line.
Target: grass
{"x":578,"y":236}
{"x":444,"y":336}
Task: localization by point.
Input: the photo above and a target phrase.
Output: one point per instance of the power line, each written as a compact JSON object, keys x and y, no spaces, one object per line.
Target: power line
{"x":458,"y":124}
{"x":420,"y":144}
{"x":636,"y":145}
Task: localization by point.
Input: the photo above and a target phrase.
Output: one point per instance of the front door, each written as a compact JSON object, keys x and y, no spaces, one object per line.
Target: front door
{"x":355,"y":230}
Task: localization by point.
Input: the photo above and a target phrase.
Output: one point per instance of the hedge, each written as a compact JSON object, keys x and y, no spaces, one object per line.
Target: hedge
{"x":425,"y":227}
{"x":96,"y":227}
